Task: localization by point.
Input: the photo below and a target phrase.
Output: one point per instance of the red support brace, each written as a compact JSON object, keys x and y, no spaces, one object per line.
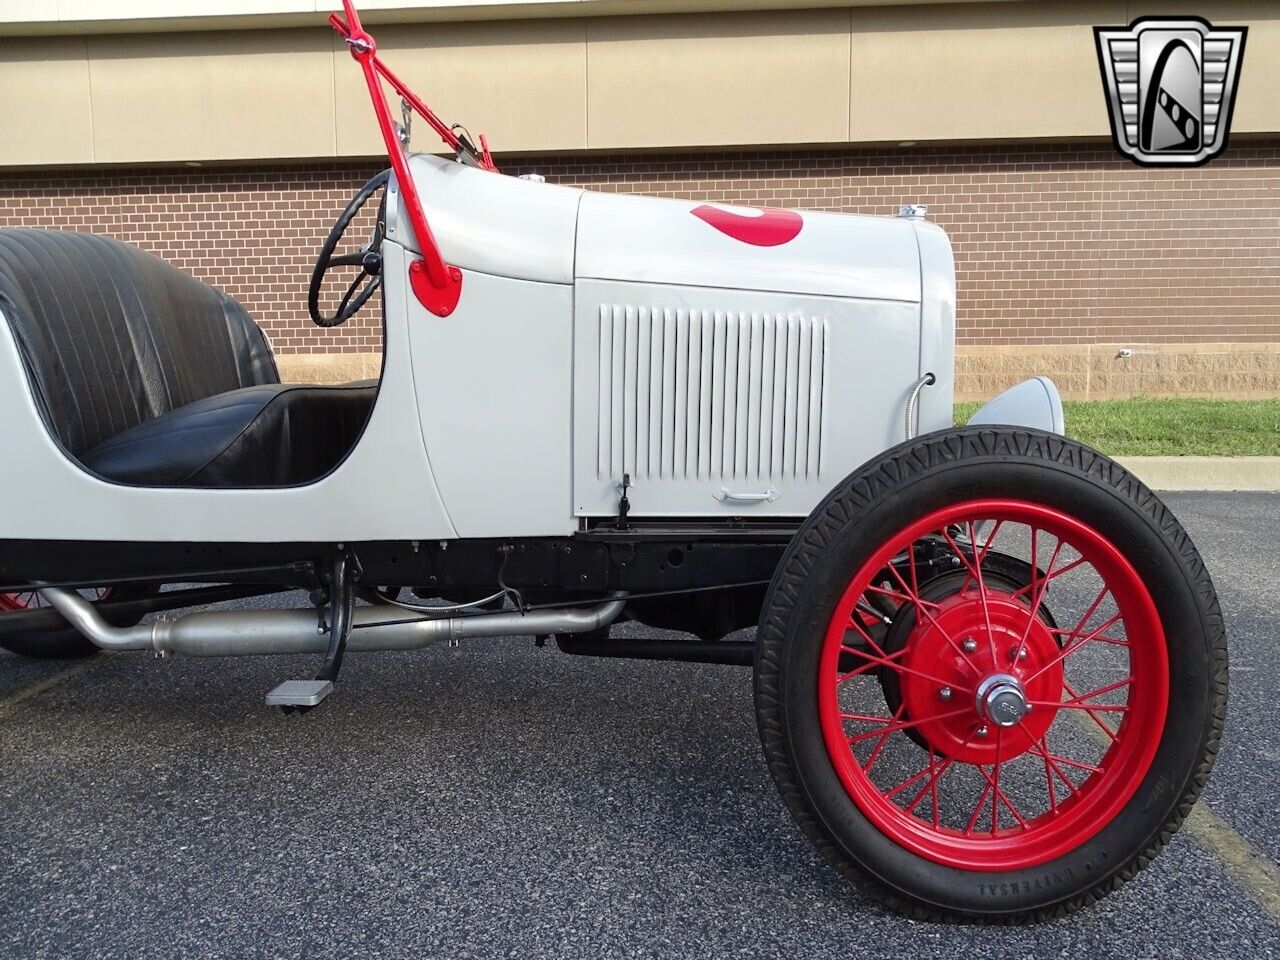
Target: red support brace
{"x":437,"y":284}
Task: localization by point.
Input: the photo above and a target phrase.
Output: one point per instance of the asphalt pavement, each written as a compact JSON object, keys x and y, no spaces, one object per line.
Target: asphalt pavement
{"x":499,"y":800}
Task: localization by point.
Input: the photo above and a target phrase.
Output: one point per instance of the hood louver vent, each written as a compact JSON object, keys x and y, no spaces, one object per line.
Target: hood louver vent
{"x":710,"y":393}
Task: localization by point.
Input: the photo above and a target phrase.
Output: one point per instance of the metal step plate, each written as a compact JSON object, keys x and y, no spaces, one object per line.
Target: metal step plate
{"x":299,"y":693}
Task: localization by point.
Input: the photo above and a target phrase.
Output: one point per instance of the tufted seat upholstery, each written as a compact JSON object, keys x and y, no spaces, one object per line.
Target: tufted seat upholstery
{"x":148,"y":376}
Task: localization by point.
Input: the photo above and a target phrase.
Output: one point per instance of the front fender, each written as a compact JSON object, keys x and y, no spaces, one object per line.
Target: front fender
{"x":1032,"y":403}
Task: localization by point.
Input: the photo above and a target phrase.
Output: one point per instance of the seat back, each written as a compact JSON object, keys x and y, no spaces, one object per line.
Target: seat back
{"x":112,"y":336}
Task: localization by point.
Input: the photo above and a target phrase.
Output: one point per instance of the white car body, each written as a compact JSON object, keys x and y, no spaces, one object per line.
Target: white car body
{"x":597,"y":336}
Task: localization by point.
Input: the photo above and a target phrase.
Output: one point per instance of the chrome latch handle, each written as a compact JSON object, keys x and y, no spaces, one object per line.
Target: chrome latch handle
{"x":725,"y":495}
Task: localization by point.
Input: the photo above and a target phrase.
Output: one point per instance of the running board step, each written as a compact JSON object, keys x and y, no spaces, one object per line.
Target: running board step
{"x":300,"y":693}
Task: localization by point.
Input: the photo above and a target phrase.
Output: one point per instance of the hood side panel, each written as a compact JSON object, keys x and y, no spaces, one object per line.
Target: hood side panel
{"x":650,"y":240}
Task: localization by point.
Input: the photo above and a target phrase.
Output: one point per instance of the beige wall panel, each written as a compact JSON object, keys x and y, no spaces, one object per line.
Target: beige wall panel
{"x":44,"y":110}
{"x":97,"y":10}
{"x":521,"y":83}
{"x":718,"y":79}
{"x":1258,"y":96}
{"x":24,"y":11}
{"x":978,"y":72}
{"x":212,"y":96}
{"x":950,"y":71}
{"x":142,"y":10}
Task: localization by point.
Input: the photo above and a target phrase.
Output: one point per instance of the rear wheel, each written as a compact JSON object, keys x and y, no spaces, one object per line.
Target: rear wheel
{"x":965,"y":670}
{"x":60,"y":642}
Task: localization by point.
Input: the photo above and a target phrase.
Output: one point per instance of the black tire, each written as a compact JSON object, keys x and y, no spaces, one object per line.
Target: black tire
{"x":64,"y":643}
{"x":842,"y":534}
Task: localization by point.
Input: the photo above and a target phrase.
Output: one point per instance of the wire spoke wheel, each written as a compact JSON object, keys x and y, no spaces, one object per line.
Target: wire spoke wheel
{"x":990,"y":676}
{"x":1000,"y":772}
{"x":30,"y":599}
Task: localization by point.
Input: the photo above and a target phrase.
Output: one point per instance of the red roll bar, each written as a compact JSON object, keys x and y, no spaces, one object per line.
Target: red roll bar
{"x":437,"y":284}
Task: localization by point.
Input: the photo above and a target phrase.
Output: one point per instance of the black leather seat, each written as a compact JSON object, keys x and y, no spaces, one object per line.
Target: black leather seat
{"x":236,"y":439}
{"x":147,"y":376}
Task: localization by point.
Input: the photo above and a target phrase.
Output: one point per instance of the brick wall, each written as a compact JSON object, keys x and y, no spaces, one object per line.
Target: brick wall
{"x":254,"y":232}
{"x":1054,"y":246}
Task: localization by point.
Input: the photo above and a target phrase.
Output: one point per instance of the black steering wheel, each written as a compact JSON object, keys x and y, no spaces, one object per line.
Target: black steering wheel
{"x":368,"y":258}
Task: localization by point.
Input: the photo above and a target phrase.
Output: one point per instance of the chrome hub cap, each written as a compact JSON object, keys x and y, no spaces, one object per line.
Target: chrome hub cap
{"x":1001,"y":700}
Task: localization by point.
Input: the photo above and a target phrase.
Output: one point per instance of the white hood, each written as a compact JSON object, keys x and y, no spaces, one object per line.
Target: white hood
{"x":526,"y":230}
{"x":649,"y":240}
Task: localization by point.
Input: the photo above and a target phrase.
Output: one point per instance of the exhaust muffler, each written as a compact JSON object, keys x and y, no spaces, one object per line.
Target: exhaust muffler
{"x":231,"y":633}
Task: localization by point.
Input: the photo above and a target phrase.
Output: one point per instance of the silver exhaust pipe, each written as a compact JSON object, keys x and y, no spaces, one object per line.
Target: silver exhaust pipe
{"x":230,"y":633}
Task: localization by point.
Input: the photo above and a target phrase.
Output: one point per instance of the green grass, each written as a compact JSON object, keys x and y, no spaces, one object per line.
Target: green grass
{"x":1170,"y":427}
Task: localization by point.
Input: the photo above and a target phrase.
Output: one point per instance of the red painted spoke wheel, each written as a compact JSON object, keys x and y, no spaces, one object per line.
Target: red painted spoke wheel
{"x":1000,"y":773}
{"x":990,"y":675}
{"x":29,"y":599}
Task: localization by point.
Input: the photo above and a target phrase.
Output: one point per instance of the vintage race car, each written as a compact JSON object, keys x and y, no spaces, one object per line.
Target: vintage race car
{"x":990,"y":668}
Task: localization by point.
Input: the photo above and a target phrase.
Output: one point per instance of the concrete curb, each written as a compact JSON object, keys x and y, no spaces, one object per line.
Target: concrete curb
{"x":1206,"y":473}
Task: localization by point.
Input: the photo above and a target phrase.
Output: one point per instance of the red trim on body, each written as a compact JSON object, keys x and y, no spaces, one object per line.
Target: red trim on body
{"x":771,"y":228}
{"x":439,"y":300}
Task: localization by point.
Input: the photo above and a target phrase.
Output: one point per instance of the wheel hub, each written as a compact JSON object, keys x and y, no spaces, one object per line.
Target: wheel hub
{"x":1001,"y":700}
{"x":985,"y":677}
